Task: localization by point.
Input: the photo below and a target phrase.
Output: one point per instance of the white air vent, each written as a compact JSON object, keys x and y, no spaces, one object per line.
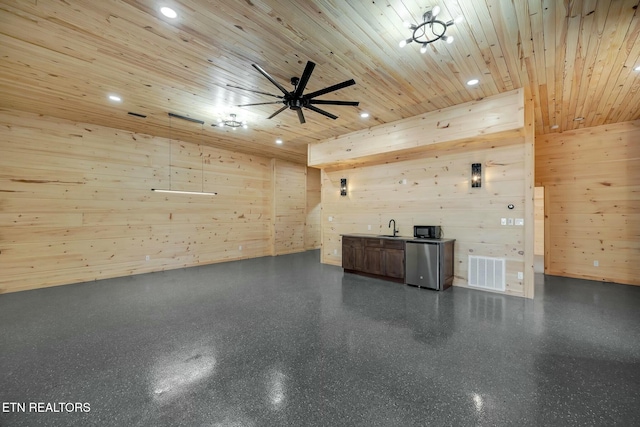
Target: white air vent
{"x":487,"y":273}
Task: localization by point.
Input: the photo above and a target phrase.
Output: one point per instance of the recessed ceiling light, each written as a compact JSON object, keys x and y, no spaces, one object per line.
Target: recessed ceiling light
{"x":115,"y":98}
{"x":168,"y":12}
{"x":364,"y":115}
{"x":578,"y":119}
{"x":555,"y":127}
{"x":278,"y":141}
{"x":637,"y":68}
{"x":473,"y":82}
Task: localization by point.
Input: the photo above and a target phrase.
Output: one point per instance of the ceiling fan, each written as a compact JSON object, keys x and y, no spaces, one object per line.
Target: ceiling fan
{"x":295,"y":100}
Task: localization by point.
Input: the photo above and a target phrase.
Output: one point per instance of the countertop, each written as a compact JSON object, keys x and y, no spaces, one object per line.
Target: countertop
{"x":401,"y":238}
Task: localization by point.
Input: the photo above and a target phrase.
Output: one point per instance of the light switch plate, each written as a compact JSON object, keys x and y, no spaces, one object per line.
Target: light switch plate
{"x":369,"y":227}
{"x":520,"y":275}
{"x":330,"y":218}
{"x":509,"y":221}
{"x":519,"y":221}
{"x":503,"y":221}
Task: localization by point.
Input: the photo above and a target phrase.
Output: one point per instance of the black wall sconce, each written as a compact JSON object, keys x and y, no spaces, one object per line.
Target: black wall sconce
{"x":343,"y":186}
{"x":476,"y":175}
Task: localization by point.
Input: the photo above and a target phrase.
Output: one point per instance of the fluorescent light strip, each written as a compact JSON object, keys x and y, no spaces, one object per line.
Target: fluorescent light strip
{"x":199,"y":193}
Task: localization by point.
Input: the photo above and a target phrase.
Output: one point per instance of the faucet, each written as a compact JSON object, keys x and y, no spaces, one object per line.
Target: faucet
{"x":394,"y":227}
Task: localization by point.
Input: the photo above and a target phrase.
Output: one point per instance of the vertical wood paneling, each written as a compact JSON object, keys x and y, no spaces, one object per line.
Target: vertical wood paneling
{"x":592,"y":192}
{"x":312,"y":229}
{"x":76,"y":205}
{"x":539,"y":221}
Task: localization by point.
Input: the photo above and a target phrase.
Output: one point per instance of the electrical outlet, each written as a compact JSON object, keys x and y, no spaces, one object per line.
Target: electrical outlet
{"x":240,"y":247}
{"x":596,"y":264}
{"x":369,"y":227}
{"x":404,"y":181}
{"x":147,"y":258}
{"x":503,"y":221}
{"x":330,"y":219}
{"x":520,"y":275}
{"x":335,"y":252}
{"x":509,"y":221}
{"x":519,"y":221}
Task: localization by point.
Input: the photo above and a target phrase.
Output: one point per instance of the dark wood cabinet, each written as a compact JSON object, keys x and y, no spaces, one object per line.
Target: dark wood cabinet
{"x":372,"y":256}
{"x":352,"y":253}
{"x":394,"y":263}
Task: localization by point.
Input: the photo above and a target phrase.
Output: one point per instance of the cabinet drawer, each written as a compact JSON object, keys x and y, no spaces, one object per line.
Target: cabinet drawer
{"x":374,"y":243}
{"x":394,"y":244}
{"x":351,"y":241}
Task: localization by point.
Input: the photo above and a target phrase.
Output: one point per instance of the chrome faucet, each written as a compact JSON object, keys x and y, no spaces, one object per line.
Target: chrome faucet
{"x":394,"y":227}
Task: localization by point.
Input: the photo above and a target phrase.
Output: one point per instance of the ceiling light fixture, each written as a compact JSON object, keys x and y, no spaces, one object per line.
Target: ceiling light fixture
{"x":578,"y":119}
{"x":115,"y":98}
{"x":168,"y":12}
{"x":278,"y":141}
{"x":637,"y":68}
{"x":231,"y":122}
{"x":430,"y":29}
{"x":364,"y":115}
{"x":473,"y":82}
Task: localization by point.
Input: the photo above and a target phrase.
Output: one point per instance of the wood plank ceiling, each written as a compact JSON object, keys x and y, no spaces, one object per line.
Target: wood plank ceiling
{"x":63,"y":58}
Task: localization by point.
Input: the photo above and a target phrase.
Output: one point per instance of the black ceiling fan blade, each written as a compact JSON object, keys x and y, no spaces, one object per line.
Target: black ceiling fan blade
{"x":260,"y":103}
{"x":277,"y":112}
{"x":306,"y":74}
{"x":256,"y":91}
{"x":301,"y":116}
{"x":330,"y":89}
{"x":324,"y":113}
{"x":264,"y":73}
{"x":322,"y":101}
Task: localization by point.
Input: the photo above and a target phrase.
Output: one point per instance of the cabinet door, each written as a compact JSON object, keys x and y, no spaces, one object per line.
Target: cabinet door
{"x":394,"y":263}
{"x":373,"y":260}
{"x":352,"y":256}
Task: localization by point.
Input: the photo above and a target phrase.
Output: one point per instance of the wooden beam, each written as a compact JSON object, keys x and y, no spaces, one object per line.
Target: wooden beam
{"x":484,"y":119}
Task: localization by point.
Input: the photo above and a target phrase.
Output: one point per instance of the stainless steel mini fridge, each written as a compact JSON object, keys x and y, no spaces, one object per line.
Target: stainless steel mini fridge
{"x":429,"y":263}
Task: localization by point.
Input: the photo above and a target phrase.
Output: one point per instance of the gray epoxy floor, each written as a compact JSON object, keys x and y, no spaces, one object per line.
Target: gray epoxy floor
{"x":287,"y":341}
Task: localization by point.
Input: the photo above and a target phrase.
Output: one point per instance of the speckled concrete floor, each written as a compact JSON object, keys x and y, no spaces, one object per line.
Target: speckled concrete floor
{"x":286,"y":341}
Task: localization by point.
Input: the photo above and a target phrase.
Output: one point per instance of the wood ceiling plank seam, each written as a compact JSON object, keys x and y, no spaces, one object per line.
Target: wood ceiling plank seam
{"x":549,"y":110}
{"x":588,"y":43}
{"x":561,"y":28}
{"x":625,"y":82}
{"x":606,"y":58}
{"x":497,"y":65}
{"x":505,"y":25}
{"x":487,"y":66}
{"x":461,"y":49}
{"x":571,"y":48}
{"x":631,"y":101}
{"x":531,"y":17}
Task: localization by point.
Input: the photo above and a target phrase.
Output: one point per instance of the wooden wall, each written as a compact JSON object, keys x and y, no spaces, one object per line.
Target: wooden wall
{"x":592,"y":184}
{"x":431,"y":186}
{"x":312,"y":231}
{"x":290,"y":191}
{"x":539,"y":221}
{"x":76,"y":205}
{"x":437,"y":192}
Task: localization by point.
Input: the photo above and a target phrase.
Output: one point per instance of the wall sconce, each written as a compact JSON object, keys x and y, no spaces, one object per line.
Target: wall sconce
{"x":476,"y":175}
{"x":343,"y":186}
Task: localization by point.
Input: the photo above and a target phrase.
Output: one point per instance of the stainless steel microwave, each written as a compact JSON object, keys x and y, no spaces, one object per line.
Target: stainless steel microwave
{"x":427,"y":231}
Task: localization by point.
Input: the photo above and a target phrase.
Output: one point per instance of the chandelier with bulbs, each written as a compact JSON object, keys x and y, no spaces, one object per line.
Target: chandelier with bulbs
{"x":430,"y":29}
{"x":231,"y":122}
